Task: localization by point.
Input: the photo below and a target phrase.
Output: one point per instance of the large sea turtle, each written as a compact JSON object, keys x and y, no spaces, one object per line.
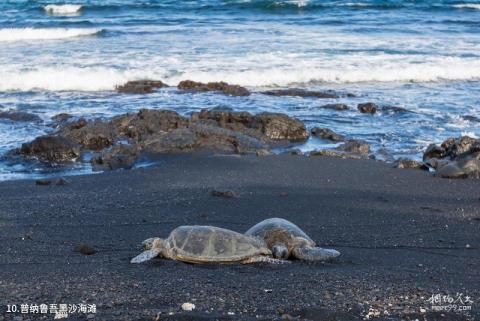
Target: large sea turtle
{"x":206,"y":244}
{"x":287,"y":240}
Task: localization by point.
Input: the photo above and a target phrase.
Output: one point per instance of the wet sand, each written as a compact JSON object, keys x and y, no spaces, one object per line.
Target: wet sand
{"x":404,"y":236}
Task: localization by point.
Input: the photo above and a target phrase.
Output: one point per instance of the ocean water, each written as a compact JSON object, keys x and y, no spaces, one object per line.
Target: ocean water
{"x":421,"y":55}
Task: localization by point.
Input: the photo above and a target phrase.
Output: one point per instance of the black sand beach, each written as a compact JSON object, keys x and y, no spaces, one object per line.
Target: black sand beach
{"x":404,"y":236}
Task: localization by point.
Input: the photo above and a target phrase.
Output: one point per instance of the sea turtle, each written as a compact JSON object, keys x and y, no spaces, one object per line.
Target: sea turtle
{"x":287,"y":240}
{"x":206,"y":244}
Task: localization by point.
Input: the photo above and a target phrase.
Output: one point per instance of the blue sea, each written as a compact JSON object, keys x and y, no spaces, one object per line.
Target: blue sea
{"x":67,"y":57}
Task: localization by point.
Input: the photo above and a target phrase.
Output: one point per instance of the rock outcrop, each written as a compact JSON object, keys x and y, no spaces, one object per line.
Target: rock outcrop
{"x":19,"y":116}
{"x":367,"y":108}
{"x":140,"y":87}
{"x":120,"y":141}
{"x":455,"y":157}
{"x":53,"y":149}
{"x":354,"y":149}
{"x":409,"y":163}
{"x":335,"y":106}
{"x":326,"y":133}
{"x":223,"y":87}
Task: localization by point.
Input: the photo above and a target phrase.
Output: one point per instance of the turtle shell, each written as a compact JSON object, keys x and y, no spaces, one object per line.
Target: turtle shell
{"x":279,"y":230}
{"x":209,"y":244}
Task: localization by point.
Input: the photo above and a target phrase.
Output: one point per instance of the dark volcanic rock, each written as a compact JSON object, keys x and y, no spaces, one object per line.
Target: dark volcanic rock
{"x":409,"y":163}
{"x":367,"y":108}
{"x":140,"y":86}
{"x":327,"y":134}
{"x":471,"y":118}
{"x":355,"y":146}
{"x":148,"y":122}
{"x":19,"y":116}
{"x":92,"y":135}
{"x":227,"y":89}
{"x":124,"y":138}
{"x":43,"y":182}
{"x":353,"y":149}
{"x":269,"y":126}
{"x":225,"y":194}
{"x":85,"y":249}
{"x":300,"y":93}
{"x":455,"y":158}
{"x":280,"y":127}
{"x":335,"y":106}
{"x":119,"y":156}
{"x":394,"y":109}
{"x":51,"y":149}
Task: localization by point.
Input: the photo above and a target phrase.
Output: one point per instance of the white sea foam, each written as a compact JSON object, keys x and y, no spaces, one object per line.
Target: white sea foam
{"x":65,"y":9}
{"x":68,"y":79}
{"x":468,"y":6}
{"x":22,"y":34}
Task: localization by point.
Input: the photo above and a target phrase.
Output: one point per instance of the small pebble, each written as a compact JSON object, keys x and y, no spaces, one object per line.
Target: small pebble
{"x":226,"y":194}
{"x":85,"y":249}
{"x":187,"y":306}
{"x":43,"y":182}
{"x":62,"y":181}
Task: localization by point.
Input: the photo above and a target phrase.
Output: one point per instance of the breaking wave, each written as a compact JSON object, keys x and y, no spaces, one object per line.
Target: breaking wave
{"x":468,"y":6}
{"x":63,"y":78}
{"x":22,"y":34}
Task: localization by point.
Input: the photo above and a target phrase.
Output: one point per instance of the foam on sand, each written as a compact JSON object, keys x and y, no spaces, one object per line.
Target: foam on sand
{"x":22,"y":34}
{"x":65,"y":9}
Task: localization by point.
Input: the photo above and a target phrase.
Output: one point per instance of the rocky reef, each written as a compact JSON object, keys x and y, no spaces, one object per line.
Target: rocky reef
{"x":455,"y":158}
{"x":120,"y":141}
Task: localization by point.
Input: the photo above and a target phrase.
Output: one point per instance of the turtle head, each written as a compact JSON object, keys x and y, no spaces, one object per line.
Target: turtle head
{"x":152,"y":242}
{"x":152,"y":247}
{"x":280,"y":251}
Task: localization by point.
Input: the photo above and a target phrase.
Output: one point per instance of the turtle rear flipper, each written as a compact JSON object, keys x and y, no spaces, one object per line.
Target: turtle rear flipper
{"x":145,"y":256}
{"x":315,"y":254}
{"x":264,"y":259}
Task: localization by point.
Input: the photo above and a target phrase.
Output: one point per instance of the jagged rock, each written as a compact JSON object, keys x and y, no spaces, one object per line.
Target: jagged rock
{"x":119,"y":156}
{"x":409,"y":163}
{"x":461,"y":146}
{"x":455,"y":158}
{"x":335,"y":106}
{"x":92,"y":135}
{"x":394,"y":109}
{"x":227,"y":89}
{"x":367,"y":108}
{"x":147,"y":122}
{"x":54,"y":149}
{"x":326,"y":133}
{"x":272,"y":125}
{"x":464,"y":168}
{"x":140,"y":86}
{"x":280,"y":127}
{"x":19,"y":116}
{"x":355,"y":146}
{"x":300,"y":93}
{"x":62,"y":117}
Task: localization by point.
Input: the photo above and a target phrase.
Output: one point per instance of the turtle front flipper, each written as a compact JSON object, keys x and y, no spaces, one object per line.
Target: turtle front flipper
{"x":315,"y":254}
{"x":264,"y":259}
{"x":146,"y":255}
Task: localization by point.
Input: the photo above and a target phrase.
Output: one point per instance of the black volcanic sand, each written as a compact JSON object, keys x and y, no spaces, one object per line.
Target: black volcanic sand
{"x":404,"y":235}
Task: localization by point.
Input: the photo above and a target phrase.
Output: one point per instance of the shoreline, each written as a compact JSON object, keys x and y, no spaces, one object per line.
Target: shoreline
{"x":403,"y":234}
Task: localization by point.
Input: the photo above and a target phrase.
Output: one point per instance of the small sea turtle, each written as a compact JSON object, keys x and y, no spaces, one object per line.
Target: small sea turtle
{"x":287,"y":240}
{"x":206,"y":244}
